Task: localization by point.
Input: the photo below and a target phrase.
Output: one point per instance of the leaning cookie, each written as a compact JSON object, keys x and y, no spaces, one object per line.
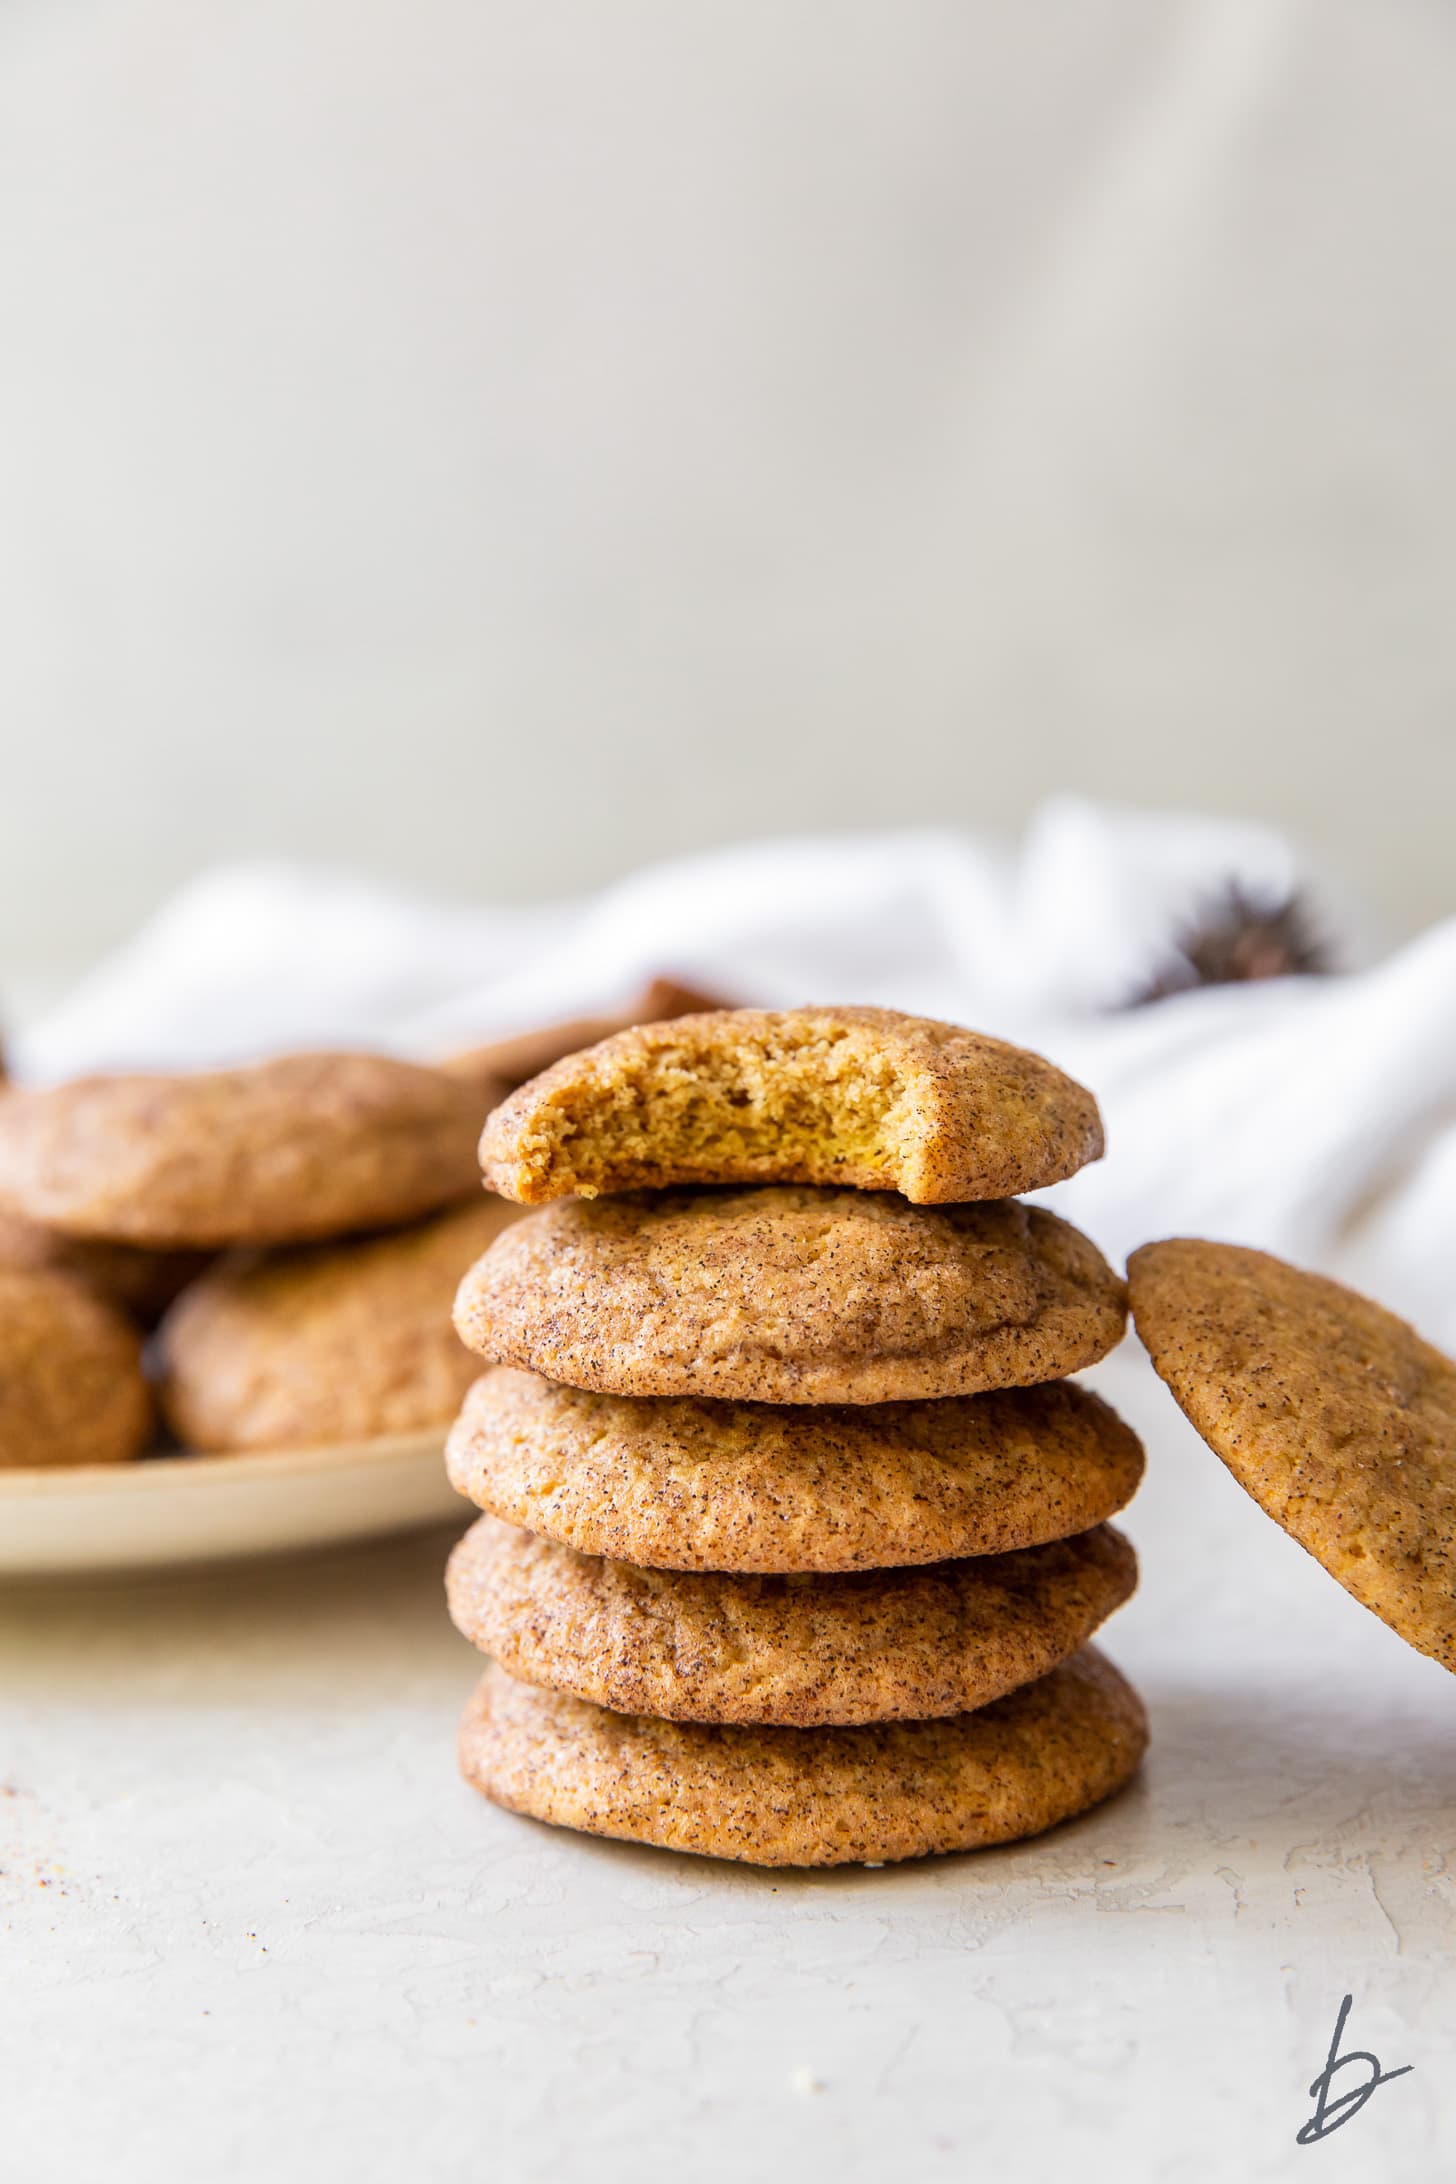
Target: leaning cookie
{"x":1333,"y":1414}
{"x":71,"y":1386}
{"x":810,"y":1797}
{"x":303,"y":1147}
{"x":687,"y":1485}
{"x":342,"y":1342}
{"x":867,"y":1098}
{"x":792,"y":1295}
{"x":803,"y":1652}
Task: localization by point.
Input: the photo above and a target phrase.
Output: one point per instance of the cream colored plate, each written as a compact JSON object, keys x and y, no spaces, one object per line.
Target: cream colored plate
{"x":169,"y":1511}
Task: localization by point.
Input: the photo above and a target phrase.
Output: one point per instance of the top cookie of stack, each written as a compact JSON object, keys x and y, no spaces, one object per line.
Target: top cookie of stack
{"x":784,"y":1324}
{"x":865,"y":1098}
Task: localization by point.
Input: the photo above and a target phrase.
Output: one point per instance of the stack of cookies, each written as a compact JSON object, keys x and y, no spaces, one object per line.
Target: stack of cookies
{"x":796,"y":1532}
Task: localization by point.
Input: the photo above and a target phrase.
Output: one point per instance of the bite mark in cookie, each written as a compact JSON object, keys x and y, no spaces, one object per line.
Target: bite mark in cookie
{"x":866,"y":1098}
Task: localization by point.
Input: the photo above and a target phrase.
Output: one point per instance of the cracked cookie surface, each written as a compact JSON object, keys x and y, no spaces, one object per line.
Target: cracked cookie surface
{"x":810,"y":1797}
{"x":792,"y":1295}
{"x":676,"y":1483}
{"x":878,"y":1645}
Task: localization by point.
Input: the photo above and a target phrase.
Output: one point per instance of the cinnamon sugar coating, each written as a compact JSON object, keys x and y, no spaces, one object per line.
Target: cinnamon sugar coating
{"x":810,"y":1797}
{"x":803,"y":1652}
{"x":792,"y":1295}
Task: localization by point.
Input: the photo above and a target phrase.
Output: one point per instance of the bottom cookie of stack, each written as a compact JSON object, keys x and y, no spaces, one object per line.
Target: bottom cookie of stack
{"x":867,"y":1795}
{"x":863,"y":1716}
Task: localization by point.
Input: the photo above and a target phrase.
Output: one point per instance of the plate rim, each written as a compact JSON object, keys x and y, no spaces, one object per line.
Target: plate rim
{"x":155,"y":1474}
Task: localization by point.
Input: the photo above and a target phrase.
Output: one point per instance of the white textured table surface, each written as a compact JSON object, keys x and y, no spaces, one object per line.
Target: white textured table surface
{"x":253,"y":1925}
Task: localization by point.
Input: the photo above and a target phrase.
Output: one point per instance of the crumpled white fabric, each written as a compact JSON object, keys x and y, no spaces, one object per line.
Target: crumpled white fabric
{"x":1313,"y":1117}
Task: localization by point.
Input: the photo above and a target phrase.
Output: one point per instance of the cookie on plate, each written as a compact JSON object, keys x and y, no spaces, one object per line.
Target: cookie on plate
{"x":792,"y":1295}
{"x":302,"y":1147}
{"x":143,"y":1283}
{"x":325,"y":1342}
{"x":878,"y":1645}
{"x":71,"y":1386}
{"x":867,"y":1098}
{"x":680,"y":1484}
{"x":1333,"y":1414}
{"x":810,"y":1797}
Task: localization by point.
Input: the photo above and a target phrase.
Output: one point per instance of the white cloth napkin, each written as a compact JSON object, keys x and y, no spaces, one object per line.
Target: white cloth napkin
{"x":1313,"y":1117}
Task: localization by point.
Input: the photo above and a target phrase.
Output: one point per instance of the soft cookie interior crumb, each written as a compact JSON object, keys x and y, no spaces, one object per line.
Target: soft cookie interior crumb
{"x":852,"y":1098}
{"x":835,"y":1101}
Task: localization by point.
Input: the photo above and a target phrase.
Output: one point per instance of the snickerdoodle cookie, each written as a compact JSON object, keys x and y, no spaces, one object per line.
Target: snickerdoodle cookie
{"x":809,"y":1797}
{"x":142,"y":1282}
{"x":861,"y":1097}
{"x":302,"y":1147}
{"x":688,"y":1485}
{"x":792,"y":1295}
{"x":1333,"y":1414}
{"x":325,"y":1342}
{"x":71,"y":1386}
{"x":878,"y":1645}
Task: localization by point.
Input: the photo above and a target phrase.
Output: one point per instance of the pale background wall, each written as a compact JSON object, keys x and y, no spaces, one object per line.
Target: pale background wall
{"x":494,"y":444}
